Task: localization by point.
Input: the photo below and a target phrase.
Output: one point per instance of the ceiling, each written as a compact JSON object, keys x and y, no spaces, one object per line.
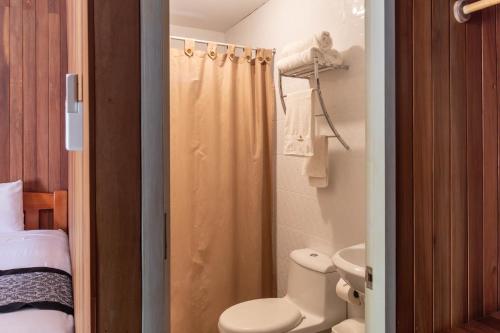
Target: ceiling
{"x":217,"y":15}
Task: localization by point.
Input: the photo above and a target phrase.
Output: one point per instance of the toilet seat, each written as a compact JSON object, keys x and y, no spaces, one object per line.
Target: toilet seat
{"x":267,"y":315}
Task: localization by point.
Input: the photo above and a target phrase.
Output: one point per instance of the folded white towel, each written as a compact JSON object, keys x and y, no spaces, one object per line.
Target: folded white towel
{"x":306,"y":57}
{"x":321,"y":40}
{"x":316,"y":166}
{"x":298,"y":123}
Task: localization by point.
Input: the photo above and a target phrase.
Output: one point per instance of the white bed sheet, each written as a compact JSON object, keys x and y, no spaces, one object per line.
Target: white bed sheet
{"x":37,"y":248}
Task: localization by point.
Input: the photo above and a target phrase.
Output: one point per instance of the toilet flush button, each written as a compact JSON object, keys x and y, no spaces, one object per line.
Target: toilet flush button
{"x":313,"y":260}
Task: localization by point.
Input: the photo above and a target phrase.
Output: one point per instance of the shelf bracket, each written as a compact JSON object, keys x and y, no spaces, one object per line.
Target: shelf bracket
{"x":306,"y":73}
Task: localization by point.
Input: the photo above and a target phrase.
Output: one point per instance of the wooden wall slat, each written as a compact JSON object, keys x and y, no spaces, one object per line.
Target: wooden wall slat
{"x":474,"y":166}
{"x":54,"y":96}
{"x":458,"y":166}
{"x":441,"y":269}
{"x":29,"y":95}
{"x":422,"y":160}
{"x":16,"y":89}
{"x":490,"y":162}
{"x":42,"y":94}
{"x":62,"y":77}
{"x":4,"y":94}
{"x":497,"y":40}
{"x":404,"y":140}
{"x":42,"y":102}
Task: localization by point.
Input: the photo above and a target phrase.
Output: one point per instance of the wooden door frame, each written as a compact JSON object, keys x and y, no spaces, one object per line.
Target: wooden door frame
{"x":80,"y":181}
{"x":114,"y":31}
{"x":105,"y":178}
{"x":381,"y":166}
{"x":154,"y":97}
{"x":382,"y":161}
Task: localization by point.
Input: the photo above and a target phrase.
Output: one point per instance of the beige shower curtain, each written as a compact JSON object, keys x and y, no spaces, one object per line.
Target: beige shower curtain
{"x":221,"y":176}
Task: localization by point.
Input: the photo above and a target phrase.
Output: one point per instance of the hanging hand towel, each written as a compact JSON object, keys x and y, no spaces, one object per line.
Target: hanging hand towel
{"x":321,"y":40}
{"x":306,"y":57}
{"x":316,"y":167}
{"x":298,"y":123}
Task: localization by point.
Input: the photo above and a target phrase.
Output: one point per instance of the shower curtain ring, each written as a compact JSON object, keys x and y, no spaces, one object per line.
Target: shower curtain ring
{"x":189,"y":46}
{"x":212,"y":50}
{"x":248,"y":53}
{"x":231,"y":49}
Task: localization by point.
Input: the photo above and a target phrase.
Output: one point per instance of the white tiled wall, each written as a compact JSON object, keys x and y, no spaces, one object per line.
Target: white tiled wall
{"x":332,"y":218}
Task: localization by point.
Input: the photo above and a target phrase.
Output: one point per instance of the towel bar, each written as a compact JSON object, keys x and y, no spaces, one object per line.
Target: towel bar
{"x":307,"y":72}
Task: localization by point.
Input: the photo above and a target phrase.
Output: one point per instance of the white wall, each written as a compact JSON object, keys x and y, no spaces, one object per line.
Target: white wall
{"x":211,"y":35}
{"x":332,"y":218}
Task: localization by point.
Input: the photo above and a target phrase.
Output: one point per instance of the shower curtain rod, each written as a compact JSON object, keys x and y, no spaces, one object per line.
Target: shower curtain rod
{"x":200,"y":41}
{"x":464,"y":8}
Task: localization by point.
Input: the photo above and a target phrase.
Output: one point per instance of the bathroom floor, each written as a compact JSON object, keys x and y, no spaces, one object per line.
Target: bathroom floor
{"x":487,"y":324}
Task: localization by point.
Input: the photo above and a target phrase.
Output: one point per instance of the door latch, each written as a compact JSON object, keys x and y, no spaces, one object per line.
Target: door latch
{"x":369,"y":277}
{"x":74,"y":115}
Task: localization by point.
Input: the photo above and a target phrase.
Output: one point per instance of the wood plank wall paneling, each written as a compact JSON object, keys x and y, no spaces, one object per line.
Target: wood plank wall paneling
{"x":29,"y":94}
{"x":42,"y":96}
{"x":4,"y":92}
{"x":16,"y":89}
{"x":448,"y":151}
{"x":32,"y":37}
{"x":64,"y":179}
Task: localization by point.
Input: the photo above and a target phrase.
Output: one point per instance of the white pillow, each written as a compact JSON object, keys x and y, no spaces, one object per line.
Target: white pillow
{"x":11,"y":206}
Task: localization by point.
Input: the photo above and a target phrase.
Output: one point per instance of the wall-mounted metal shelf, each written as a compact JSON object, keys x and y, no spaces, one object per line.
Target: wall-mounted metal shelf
{"x":308,"y":72}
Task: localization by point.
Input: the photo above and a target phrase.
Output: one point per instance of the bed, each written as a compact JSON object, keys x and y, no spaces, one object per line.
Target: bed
{"x":40,"y":249}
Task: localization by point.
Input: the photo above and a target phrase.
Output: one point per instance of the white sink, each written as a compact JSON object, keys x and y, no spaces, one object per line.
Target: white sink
{"x":350,"y":263}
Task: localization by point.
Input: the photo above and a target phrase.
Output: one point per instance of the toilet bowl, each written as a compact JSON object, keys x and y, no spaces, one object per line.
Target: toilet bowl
{"x":310,"y":305}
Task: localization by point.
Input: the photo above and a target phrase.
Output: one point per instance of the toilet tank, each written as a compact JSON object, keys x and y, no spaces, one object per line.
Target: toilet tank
{"x":311,"y":284}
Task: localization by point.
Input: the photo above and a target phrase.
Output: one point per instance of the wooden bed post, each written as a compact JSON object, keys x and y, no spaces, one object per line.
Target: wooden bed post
{"x":61,"y":210}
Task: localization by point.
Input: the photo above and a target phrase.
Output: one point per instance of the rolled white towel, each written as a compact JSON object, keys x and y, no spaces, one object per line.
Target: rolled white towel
{"x":321,"y":40}
{"x":306,"y":57}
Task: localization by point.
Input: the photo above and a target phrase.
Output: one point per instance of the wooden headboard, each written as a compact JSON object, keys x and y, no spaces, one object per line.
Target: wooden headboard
{"x":35,"y":202}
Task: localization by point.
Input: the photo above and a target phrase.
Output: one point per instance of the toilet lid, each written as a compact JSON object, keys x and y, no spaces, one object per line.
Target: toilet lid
{"x":268,"y":315}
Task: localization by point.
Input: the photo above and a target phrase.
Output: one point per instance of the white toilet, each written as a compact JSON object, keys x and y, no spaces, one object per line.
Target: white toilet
{"x":351,"y":325}
{"x":310,"y":306}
